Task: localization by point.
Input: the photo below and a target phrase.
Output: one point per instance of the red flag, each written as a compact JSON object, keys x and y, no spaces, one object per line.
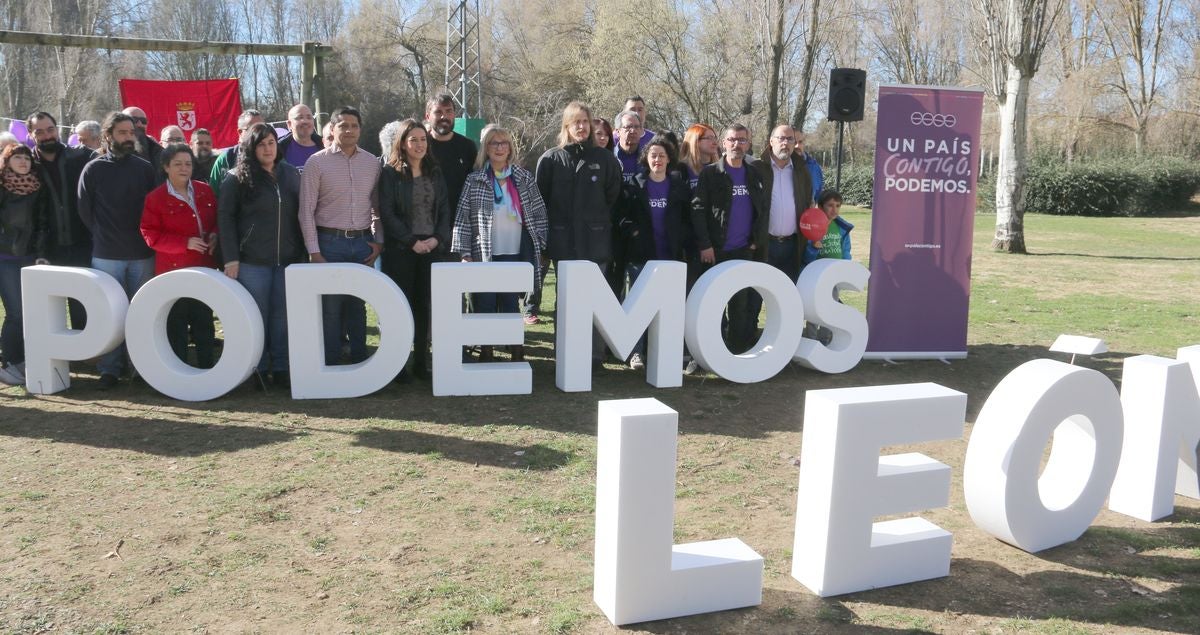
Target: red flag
{"x":207,"y":103}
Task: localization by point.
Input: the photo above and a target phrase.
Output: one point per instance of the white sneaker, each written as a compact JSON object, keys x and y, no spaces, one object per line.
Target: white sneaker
{"x":12,"y":376}
{"x":692,"y":367}
{"x":636,"y":362}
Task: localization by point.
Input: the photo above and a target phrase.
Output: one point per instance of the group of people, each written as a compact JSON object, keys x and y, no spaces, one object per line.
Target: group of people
{"x":620,"y":197}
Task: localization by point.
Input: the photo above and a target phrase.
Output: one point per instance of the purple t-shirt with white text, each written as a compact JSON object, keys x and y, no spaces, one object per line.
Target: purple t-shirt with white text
{"x":741,"y":212}
{"x":629,"y":164}
{"x":657,"y":193}
{"x":297,"y":155}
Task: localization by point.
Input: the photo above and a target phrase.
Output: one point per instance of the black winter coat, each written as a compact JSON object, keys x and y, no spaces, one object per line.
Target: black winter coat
{"x":395,"y":210}
{"x":260,"y":224}
{"x":24,"y":223}
{"x":636,"y":226}
{"x":580,"y":184}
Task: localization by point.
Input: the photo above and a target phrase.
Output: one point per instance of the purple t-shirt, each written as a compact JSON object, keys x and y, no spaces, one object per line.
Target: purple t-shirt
{"x":741,"y":212}
{"x":297,"y":155}
{"x":693,"y":178}
{"x":629,"y":164}
{"x":657,"y":193}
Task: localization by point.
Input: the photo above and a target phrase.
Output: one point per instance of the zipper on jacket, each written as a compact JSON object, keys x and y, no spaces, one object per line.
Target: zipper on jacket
{"x":278,"y":222}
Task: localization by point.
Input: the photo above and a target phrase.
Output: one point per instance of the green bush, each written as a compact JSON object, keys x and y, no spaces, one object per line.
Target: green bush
{"x":1128,"y":187}
{"x":1111,"y":188}
{"x":857,"y":183}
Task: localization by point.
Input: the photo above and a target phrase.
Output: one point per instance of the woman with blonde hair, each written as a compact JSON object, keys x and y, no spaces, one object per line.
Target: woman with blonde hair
{"x":501,"y":218}
{"x":580,"y":183}
{"x":699,"y":148}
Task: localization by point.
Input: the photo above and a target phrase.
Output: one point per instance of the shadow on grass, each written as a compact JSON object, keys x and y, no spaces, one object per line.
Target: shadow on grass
{"x":985,"y":588}
{"x":152,"y":436}
{"x":1121,"y":551}
{"x":782,"y":611}
{"x":706,"y":404}
{"x":535,"y":457}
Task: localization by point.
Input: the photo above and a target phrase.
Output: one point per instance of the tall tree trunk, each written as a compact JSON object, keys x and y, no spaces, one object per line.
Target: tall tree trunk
{"x":773,"y":92}
{"x":800,"y":114}
{"x":1010,"y":173}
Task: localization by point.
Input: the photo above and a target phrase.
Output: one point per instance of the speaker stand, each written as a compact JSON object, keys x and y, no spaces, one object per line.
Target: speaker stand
{"x":841,"y":132}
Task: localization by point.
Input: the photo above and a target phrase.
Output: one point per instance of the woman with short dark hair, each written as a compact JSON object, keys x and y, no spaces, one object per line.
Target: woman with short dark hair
{"x":260,"y":231}
{"x":179,"y":222}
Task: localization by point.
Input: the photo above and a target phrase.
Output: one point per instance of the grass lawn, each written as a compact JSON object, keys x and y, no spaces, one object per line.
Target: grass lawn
{"x":128,"y":512}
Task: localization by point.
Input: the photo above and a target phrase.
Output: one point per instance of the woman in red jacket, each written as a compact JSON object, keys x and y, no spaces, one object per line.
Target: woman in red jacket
{"x":179,"y":222}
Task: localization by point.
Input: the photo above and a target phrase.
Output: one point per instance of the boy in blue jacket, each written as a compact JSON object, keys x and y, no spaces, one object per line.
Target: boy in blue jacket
{"x":835,"y":244}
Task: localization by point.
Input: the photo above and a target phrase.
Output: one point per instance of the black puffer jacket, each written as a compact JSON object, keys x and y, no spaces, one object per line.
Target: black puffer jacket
{"x":24,"y":223}
{"x":580,"y":184}
{"x":260,"y":224}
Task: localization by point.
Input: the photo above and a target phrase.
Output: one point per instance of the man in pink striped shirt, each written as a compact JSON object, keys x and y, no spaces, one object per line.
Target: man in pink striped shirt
{"x":340,"y":223}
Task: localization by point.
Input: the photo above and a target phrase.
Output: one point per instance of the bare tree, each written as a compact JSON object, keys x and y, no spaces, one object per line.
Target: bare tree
{"x":916,"y":42}
{"x":1133,"y":33}
{"x":1013,"y":34}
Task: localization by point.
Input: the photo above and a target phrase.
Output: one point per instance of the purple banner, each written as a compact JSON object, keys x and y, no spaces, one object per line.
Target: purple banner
{"x":926,"y":167}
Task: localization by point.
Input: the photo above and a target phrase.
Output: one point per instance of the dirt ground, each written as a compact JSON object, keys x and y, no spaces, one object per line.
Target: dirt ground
{"x":398,"y":512}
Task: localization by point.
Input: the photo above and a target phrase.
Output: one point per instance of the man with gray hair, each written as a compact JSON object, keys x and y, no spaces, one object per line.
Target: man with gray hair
{"x":89,"y":134}
{"x":628,"y":129}
{"x":228,"y":158}
{"x":171,"y":134}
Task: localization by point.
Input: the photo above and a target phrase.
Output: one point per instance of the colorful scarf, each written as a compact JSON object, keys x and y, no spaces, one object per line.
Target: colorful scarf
{"x":501,"y":180}
{"x":20,"y":184}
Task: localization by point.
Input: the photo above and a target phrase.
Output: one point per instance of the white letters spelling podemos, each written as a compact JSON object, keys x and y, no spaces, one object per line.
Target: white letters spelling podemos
{"x":656,"y":306}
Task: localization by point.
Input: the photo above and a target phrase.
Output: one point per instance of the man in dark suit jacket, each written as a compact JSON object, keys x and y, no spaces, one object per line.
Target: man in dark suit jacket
{"x":729,"y":218}
{"x":789,"y":187}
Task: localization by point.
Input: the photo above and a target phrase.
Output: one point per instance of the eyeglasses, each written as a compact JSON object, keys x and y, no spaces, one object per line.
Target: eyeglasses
{"x":632,"y":128}
{"x":736,"y":141}
{"x":781,"y":138}
{"x":497,"y":144}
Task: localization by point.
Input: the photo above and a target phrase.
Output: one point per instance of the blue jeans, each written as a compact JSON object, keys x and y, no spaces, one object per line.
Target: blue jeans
{"x":504,"y":302}
{"x":266,"y":285}
{"x":12,"y":338}
{"x":131,"y":275}
{"x":341,"y":249}
{"x":782,"y":255}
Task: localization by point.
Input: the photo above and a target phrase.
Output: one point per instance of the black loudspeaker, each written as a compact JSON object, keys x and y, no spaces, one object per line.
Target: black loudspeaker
{"x":847,"y":92}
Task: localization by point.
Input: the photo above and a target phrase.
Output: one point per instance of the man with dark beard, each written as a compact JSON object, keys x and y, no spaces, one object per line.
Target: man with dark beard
{"x":58,"y":167}
{"x":112,"y":192}
{"x":202,"y":148}
{"x":454,"y":153}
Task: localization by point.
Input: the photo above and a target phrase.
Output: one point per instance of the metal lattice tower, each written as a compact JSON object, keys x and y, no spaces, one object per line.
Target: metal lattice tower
{"x":462,"y":56}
